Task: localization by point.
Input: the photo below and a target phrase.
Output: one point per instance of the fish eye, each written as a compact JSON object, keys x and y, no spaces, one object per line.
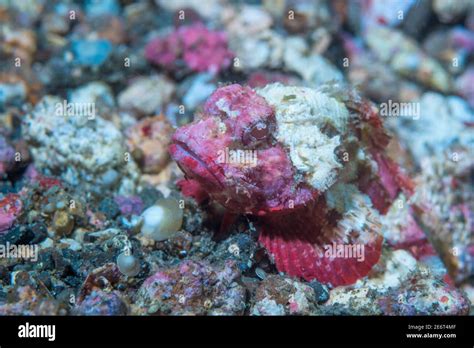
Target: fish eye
{"x":257,"y":133}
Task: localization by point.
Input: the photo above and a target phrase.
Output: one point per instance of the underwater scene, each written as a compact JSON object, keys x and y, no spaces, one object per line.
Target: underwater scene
{"x":238,"y":158}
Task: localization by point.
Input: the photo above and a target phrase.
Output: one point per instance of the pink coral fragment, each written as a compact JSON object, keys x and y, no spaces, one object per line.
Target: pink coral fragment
{"x":201,"y":49}
{"x":10,"y":208}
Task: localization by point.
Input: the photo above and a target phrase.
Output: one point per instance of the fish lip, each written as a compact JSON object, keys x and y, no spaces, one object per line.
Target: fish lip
{"x":183,"y":147}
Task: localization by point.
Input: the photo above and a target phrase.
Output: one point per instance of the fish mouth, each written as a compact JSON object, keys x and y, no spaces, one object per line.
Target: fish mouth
{"x":196,"y":168}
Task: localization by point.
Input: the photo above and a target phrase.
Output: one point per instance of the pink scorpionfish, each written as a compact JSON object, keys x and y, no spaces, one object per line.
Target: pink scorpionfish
{"x":308,"y":164}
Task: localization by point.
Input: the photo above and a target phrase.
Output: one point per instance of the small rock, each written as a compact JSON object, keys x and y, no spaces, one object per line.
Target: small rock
{"x":101,"y":235}
{"x":12,"y":94}
{"x":71,"y":244}
{"x":277,"y":295}
{"x":10,"y":208}
{"x":149,"y":195}
{"x":128,"y":264}
{"x":129,"y":205}
{"x":47,"y":243}
{"x":193,"y":287}
{"x":109,"y":207}
{"x":90,"y":52}
{"x":197,"y":89}
{"x":239,"y":247}
{"x":102,"y":7}
{"x":148,"y":142}
{"x":260,"y":273}
{"x":201,"y":49}
{"x":110,"y":178}
{"x":320,"y":291}
{"x":27,"y":301}
{"x":63,"y":223}
{"x":147,"y":95}
{"x":99,"y":302}
{"x":18,"y":235}
{"x":97,"y":93}
{"x":162,"y":220}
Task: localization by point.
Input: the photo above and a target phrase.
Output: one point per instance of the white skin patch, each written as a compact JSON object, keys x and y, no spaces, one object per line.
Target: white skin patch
{"x":222,"y":105}
{"x":302,"y":113}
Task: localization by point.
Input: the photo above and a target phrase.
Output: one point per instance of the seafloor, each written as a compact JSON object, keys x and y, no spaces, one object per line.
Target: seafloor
{"x":123,"y":191}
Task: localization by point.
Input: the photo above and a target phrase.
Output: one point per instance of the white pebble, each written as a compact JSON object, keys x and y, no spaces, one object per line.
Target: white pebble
{"x":162,"y":220}
{"x":128,"y":264}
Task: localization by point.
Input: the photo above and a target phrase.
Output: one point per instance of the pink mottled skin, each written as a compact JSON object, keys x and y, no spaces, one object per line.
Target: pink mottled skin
{"x":201,"y":49}
{"x":389,"y":180}
{"x":273,"y":183}
{"x":295,"y":220}
{"x":413,"y":239}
